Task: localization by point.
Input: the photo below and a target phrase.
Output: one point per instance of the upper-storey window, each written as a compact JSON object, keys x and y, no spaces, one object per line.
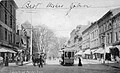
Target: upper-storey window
{"x":5,"y":3}
{"x":109,"y":25}
{"x":5,"y":34}
{"x":5,"y":17}
{"x":11,"y":9}
{"x":10,"y":21}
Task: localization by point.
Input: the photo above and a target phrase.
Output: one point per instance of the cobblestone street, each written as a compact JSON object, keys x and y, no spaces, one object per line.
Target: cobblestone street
{"x":53,"y":66}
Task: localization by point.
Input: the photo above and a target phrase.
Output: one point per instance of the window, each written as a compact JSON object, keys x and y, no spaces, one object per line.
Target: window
{"x":5,"y":17}
{"x":5,"y":3}
{"x":11,"y":9}
{"x":14,"y":38}
{"x":111,"y":37}
{"x":66,"y":54}
{"x":119,"y":35}
{"x":11,"y":37}
{"x":14,"y":27}
{"x":10,"y":21}
{"x":5,"y":34}
{"x":105,"y":26}
{"x":108,"y":38}
{"x":110,"y":25}
{"x":116,"y":36}
{"x":0,"y":14}
{"x":93,"y":35}
{"x":69,"y":54}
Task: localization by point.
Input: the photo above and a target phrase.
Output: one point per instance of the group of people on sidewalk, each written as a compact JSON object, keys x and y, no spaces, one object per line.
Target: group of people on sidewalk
{"x":38,"y":59}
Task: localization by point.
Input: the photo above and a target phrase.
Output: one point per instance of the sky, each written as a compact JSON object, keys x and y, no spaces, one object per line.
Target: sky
{"x":57,"y":19}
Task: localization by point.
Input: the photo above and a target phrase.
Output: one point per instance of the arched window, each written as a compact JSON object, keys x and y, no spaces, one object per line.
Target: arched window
{"x":109,"y":25}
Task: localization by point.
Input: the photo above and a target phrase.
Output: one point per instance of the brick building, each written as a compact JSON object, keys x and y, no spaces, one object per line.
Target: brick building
{"x":8,"y":26}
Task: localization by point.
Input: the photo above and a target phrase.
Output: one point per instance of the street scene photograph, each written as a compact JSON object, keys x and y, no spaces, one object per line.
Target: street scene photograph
{"x":59,"y":36}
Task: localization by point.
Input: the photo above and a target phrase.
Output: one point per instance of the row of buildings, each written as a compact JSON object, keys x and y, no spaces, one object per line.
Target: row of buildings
{"x":105,"y":30}
{"x":12,"y":39}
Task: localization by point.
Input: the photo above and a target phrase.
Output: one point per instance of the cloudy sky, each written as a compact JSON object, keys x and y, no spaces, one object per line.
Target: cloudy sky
{"x":56,"y":18}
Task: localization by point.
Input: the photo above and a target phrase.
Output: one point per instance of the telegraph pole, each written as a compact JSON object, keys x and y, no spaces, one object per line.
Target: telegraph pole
{"x":104,"y":46}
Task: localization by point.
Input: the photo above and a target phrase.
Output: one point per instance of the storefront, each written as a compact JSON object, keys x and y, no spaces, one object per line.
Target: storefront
{"x":87,"y":54}
{"x":6,"y":54}
{"x":99,"y":53}
{"x":115,"y":51}
{"x":94,"y":56}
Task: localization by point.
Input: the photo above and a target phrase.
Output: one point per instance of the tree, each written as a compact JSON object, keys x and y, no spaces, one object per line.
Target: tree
{"x":42,"y":37}
{"x":45,"y":40}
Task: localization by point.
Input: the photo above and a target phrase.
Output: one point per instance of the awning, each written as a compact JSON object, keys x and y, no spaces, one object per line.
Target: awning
{"x":87,"y":51}
{"x":107,"y":49}
{"x":116,"y":43}
{"x":70,"y":49}
{"x":118,"y":46}
{"x":79,"y":53}
{"x":2,"y":49}
{"x":93,"y":50}
{"x":100,"y":50}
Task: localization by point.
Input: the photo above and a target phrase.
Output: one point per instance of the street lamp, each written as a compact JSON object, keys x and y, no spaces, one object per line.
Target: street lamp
{"x":104,"y":45}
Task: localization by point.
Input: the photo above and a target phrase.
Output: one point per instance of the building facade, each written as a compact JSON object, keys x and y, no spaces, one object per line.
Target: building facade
{"x":8,"y":24}
{"x":106,"y":29}
{"x":85,"y":39}
{"x":116,"y":28}
{"x":94,"y":36}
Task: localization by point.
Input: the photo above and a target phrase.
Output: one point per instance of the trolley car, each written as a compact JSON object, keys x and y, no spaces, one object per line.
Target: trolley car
{"x":68,"y":56}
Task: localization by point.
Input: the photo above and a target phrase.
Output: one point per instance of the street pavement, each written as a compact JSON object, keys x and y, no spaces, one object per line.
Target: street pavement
{"x":53,"y":66}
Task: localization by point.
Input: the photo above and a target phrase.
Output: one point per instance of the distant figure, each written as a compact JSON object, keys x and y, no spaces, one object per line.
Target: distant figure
{"x":41,"y":61}
{"x":79,"y":64}
{"x":62,"y":63}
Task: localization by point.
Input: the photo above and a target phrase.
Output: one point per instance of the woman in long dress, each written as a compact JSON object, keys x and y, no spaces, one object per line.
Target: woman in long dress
{"x":79,"y":64}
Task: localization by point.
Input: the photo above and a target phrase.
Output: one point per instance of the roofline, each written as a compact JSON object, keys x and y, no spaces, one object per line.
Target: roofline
{"x":92,"y":24}
{"x":104,"y":16}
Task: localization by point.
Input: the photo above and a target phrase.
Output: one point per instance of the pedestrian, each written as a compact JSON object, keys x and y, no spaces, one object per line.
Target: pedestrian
{"x":79,"y":64}
{"x":40,"y":61}
{"x":6,"y":59}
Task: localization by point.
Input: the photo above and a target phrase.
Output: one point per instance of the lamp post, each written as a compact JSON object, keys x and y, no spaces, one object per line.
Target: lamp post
{"x":104,"y":45}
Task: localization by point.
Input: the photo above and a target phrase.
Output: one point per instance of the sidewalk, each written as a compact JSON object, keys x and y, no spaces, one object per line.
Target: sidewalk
{"x":110,"y":63}
{"x":24,"y":63}
{"x":114,"y":65}
{"x":14,"y":64}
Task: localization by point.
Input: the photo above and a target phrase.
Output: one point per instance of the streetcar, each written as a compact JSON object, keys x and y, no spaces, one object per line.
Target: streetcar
{"x":67,"y":56}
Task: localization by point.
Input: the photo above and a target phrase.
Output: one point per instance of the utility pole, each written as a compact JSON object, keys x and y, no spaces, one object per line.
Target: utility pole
{"x":104,"y":46}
